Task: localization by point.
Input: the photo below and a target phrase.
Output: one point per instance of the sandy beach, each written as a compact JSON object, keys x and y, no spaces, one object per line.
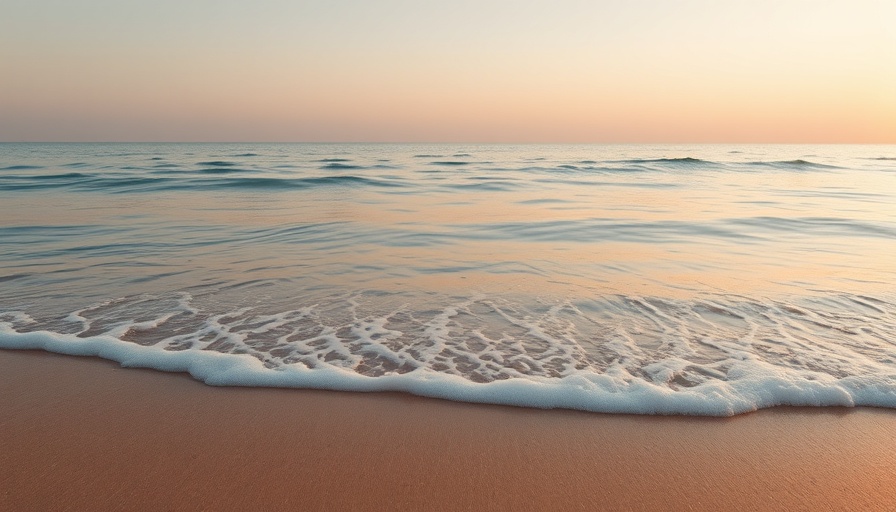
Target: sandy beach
{"x":82,"y":434}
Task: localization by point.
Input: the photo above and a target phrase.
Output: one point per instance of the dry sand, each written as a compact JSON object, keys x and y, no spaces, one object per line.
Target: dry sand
{"x":84,"y":434}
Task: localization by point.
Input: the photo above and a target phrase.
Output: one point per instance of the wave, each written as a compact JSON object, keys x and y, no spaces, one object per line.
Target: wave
{"x":793,"y":164}
{"x":570,"y":169}
{"x":450,"y":163}
{"x":173,"y":180}
{"x":223,"y":170}
{"x":12,"y":277}
{"x":546,"y":200}
{"x":347,"y":180}
{"x":673,"y":161}
{"x":21,"y":167}
{"x":287,"y":183}
{"x":63,"y":176}
{"x":601,"y":230}
{"x":713,"y":356}
{"x":218,"y":163}
{"x":340,"y":165}
{"x":120,"y":185}
{"x":486,"y":185}
{"x":43,"y":181}
{"x":614,"y":184}
{"x":818,"y":226}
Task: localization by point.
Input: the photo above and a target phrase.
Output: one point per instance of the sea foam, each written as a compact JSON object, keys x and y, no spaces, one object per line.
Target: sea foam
{"x":544,"y":360}
{"x":757,"y":386}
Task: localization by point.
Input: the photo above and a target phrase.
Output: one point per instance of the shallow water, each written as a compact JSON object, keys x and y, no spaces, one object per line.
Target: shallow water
{"x":651,"y":279}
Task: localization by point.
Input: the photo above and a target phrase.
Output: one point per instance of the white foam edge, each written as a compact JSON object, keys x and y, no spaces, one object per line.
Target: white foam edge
{"x":595,"y":393}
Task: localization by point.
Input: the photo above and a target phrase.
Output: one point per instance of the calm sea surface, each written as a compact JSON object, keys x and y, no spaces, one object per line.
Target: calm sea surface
{"x":703,"y":279}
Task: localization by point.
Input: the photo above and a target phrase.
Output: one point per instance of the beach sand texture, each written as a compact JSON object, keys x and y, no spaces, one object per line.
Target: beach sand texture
{"x":84,"y":434}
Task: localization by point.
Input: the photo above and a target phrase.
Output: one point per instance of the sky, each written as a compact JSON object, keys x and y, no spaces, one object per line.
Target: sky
{"x":638,"y":71}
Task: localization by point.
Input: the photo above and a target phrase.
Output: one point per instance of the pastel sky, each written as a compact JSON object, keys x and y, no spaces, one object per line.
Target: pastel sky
{"x":452,"y":71}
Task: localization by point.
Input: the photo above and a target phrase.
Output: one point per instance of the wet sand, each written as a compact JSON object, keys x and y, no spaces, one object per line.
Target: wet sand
{"x":84,"y":434}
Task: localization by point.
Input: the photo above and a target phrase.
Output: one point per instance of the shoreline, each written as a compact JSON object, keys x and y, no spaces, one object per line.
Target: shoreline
{"x":83,"y":433}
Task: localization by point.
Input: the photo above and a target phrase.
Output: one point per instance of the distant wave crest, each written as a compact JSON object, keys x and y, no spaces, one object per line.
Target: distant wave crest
{"x":794,"y":164}
{"x":684,"y":160}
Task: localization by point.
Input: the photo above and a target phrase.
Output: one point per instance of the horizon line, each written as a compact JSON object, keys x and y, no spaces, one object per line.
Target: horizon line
{"x":506,"y":143}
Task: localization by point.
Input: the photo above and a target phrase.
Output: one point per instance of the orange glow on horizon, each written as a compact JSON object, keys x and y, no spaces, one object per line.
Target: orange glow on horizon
{"x":698,"y":72}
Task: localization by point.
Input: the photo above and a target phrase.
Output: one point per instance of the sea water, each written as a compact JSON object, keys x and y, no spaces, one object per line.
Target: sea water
{"x":701,"y":279}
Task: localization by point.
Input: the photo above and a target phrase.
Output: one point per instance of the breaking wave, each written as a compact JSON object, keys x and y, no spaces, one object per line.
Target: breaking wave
{"x":715,"y":356}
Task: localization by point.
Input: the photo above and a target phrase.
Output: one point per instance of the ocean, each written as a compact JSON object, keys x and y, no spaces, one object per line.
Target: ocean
{"x":649,"y":279}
